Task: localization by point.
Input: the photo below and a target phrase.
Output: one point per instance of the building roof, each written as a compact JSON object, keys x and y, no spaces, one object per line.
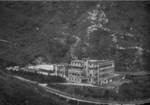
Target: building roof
{"x":93,"y":61}
{"x":42,"y":66}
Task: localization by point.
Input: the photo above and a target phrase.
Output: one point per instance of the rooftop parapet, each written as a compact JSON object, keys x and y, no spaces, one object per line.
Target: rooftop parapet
{"x":77,"y":61}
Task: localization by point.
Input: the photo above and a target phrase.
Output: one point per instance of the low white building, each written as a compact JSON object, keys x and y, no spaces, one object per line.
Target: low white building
{"x":15,"y":68}
{"x":48,"y":67}
{"x":44,"y":69}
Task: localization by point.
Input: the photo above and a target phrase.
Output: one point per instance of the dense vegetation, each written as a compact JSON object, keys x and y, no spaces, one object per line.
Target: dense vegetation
{"x":15,"y":92}
{"x":49,"y":29}
{"x":6,"y":63}
{"x":38,"y":77}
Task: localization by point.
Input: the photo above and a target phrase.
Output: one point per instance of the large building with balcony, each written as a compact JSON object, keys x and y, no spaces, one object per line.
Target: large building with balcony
{"x":91,"y":71}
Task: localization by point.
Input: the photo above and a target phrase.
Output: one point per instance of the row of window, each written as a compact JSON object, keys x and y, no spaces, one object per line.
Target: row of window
{"x":101,"y":65}
{"x":105,"y":75}
{"x":105,"y":81}
{"x":74,"y":79}
{"x":60,"y":72}
{"x":78,"y":63}
{"x":79,"y":80}
{"x":93,"y":66}
{"x":105,"y":65}
{"x":77,"y":67}
{"x":90,"y":80}
{"x":75,"y":74}
{"x":91,"y":75}
{"x":107,"y":68}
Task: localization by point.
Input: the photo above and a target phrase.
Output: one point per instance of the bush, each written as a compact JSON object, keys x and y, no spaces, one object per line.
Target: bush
{"x":38,"y":77}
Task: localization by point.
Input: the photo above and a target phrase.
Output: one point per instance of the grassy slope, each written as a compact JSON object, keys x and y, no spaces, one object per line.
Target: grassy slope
{"x":16,"y":92}
{"x":136,"y":90}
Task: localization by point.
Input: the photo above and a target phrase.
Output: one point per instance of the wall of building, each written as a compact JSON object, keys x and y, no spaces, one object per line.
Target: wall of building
{"x":94,"y":71}
{"x":75,"y":75}
{"x":106,"y":72}
{"x":61,"y":70}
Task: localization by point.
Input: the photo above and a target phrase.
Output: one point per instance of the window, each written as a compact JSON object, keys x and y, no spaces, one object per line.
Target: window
{"x":101,"y":83}
{"x":90,"y":75}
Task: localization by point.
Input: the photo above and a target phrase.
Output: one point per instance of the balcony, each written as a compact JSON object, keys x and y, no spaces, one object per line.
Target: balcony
{"x":107,"y":68}
{"x":91,"y":66}
{"x":75,"y":70}
{"x":76,"y":66}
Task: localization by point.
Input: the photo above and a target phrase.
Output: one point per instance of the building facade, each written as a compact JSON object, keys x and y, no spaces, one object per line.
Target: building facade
{"x":91,"y":71}
{"x":61,"y":70}
{"x":76,"y":71}
{"x":106,"y":72}
{"x":96,"y":72}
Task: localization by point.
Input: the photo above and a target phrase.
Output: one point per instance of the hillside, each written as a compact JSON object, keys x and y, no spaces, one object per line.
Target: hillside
{"x":16,"y":92}
{"x":62,"y":31}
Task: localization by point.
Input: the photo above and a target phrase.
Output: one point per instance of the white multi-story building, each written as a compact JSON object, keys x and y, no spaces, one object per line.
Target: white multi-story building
{"x":96,"y":72}
{"x":91,"y":71}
